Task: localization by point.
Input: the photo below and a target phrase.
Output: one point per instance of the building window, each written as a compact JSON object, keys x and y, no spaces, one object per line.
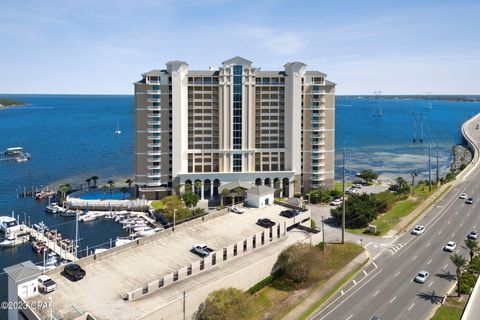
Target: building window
{"x":237,"y":163}
{"x":237,"y":107}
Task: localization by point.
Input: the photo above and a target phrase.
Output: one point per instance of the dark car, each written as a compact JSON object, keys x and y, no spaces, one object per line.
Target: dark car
{"x":266,"y":223}
{"x":73,"y":272}
{"x":290,"y":213}
{"x":469,"y":201}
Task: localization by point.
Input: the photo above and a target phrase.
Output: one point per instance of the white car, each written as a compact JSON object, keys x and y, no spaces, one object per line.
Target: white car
{"x":46,"y":284}
{"x":450,"y":246}
{"x":336,"y":202}
{"x":473,"y":235}
{"x":237,"y":210}
{"x":418,"y":230}
{"x":463,"y":196}
{"x":421,"y":277}
{"x":357,"y":186}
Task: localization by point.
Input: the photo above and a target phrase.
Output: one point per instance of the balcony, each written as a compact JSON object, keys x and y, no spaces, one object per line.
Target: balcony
{"x":321,"y":100}
{"x":153,"y":160}
{"x":154,"y":175}
{"x":154,"y":123}
{"x":154,"y":167}
{"x":154,"y":100}
{"x":154,"y":116}
{"x":153,"y":137}
{"x":153,"y":108}
{"x":151,"y":130}
{"x":317,"y":157}
{"x":154,"y":92}
{"x":154,"y":145}
{"x":153,"y":81}
{"x":154,"y":153}
{"x":155,"y":184}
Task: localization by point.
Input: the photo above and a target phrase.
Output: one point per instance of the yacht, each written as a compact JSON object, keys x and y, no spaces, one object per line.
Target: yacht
{"x":9,"y":225}
{"x":120,"y":241}
{"x":71,"y":213}
{"x":52,"y":208}
{"x":118,"y":131}
{"x":13,"y":152}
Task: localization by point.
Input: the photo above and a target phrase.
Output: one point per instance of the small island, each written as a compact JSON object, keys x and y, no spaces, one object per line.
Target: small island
{"x":8,"y":103}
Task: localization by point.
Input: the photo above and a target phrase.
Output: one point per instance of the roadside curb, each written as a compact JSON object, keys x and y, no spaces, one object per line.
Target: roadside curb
{"x":449,"y":290}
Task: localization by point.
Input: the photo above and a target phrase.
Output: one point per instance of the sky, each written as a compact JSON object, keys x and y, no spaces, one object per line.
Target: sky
{"x":103,"y":46}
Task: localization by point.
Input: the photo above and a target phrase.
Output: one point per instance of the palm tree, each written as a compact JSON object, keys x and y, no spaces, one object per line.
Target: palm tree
{"x":104,"y":188}
{"x":88,"y":181}
{"x":225,"y":193}
{"x":124,"y":191}
{"x":129,"y":182}
{"x":94,"y":180}
{"x":401,"y":182}
{"x":111,"y":185}
{"x":198,"y":186}
{"x":459,"y":263}
{"x":63,"y":189}
{"x":472,"y":245}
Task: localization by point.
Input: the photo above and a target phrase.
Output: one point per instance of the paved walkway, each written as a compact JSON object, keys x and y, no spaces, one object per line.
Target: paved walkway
{"x":326,"y":287}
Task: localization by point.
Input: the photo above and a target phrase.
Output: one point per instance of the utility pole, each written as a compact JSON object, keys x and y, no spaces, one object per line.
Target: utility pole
{"x":174,"y":218}
{"x":429,"y":168}
{"x":413,"y":173}
{"x":76,"y":235}
{"x":414,"y":122}
{"x":437,"y":164}
{"x":343,"y":200}
{"x":421,"y":127}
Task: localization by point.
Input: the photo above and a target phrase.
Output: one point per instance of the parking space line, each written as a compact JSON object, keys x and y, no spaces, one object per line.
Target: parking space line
{"x":393,"y":299}
{"x":428,"y":244}
{"x":375,"y":293}
{"x":429,"y":261}
{"x":410,"y":308}
{"x":440,"y":232}
{"x":430,"y":284}
{"x":445,"y":266}
{"x":365,"y":273}
{"x":349,"y":317}
{"x":396,"y":274}
{"x":414,"y":258}
{"x":453,"y":235}
{"x":449,"y":221}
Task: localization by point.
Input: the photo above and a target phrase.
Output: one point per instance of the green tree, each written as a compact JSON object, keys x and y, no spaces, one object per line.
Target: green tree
{"x":88,"y":181}
{"x":104,"y":188}
{"x":361,"y":209}
{"x":459,"y":263}
{"x":190,"y":199}
{"x":129,"y":182}
{"x":226,"y":304}
{"x":368,"y":175}
{"x":63,"y":189}
{"x":472,"y":246}
{"x":198,"y":187}
{"x":111,"y":185}
{"x":94,"y":180}
{"x":225,"y":193}
{"x":296,"y":262}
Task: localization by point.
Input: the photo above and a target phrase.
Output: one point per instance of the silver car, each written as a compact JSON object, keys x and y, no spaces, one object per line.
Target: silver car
{"x":421,"y":277}
{"x":418,"y":230}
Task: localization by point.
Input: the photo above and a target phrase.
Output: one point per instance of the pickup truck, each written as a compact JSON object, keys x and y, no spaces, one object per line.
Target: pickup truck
{"x":202,"y":249}
{"x":46,"y":284}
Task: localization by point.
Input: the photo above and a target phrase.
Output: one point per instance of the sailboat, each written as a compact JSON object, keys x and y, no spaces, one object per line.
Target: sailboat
{"x":118,"y":131}
{"x":379,"y":112}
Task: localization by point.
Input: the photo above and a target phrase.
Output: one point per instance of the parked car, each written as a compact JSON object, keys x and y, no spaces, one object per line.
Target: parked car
{"x":469,"y":201}
{"x":46,"y":284}
{"x":463,"y":196}
{"x":418,"y":230}
{"x":421,"y":277}
{"x":450,"y":246}
{"x":357,"y":186}
{"x":351,"y":190}
{"x":202,"y":249}
{"x":473,"y":235}
{"x":266,"y":223}
{"x":290,"y":213}
{"x":336,"y":202}
{"x":74,"y":272}
{"x":237,"y":210}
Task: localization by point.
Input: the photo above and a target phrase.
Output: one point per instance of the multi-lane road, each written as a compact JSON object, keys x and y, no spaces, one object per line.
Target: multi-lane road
{"x":385,"y":288}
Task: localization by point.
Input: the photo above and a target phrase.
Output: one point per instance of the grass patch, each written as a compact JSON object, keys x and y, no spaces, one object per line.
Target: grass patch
{"x":339,"y":185}
{"x":276,"y":297}
{"x":452,"y":309}
{"x":158,"y":204}
{"x":389,"y":219}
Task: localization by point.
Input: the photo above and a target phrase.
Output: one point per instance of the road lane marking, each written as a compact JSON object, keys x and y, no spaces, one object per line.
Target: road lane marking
{"x":396,"y":274}
{"x":354,"y":282}
{"x":440,"y":232}
{"x":445,"y":266}
{"x":449,"y":221}
{"x":365,"y":273}
{"x":393,"y":299}
{"x":410,"y":308}
{"x":341,"y":302}
{"x":456,"y":213}
{"x":475,"y":227}
{"x":341,"y":292}
{"x":461,"y":224}
{"x":349,"y":317}
{"x":429,"y":261}
{"x":377,"y":292}
{"x":414,"y":258}
{"x":374,"y":265}
{"x":430,"y":284}
{"x":457,"y":251}
{"x":453,"y":235}
{"x":428,"y":244}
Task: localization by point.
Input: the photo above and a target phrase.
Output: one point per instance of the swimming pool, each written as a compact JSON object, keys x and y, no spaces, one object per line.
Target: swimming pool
{"x":98,"y":195}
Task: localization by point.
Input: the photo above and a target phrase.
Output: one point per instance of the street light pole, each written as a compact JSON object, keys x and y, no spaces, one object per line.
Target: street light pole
{"x":343,"y":200}
{"x":174,"y":218}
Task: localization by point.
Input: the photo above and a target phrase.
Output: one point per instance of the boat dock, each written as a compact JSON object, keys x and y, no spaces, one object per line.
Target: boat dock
{"x":51,"y":244}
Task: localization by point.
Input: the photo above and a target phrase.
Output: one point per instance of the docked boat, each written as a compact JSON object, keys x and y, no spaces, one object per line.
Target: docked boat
{"x":39,"y":246}
{"x":71,"y":213}
{"x":120,"y":241}
{"x":90,"y":216}
{"x":40,"y":227}
{"x":52,"y":208}
{"x":118,"y":131}
{"x":146,"y":232}
{"x":99,"y":250}
{"x":9,"y":225}
{"x":44,"y":194}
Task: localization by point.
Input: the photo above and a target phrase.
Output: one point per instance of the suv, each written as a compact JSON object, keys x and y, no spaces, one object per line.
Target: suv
{"x":73,"y":272}
{"x":336,"y":202}
{"x":290,"y":213}
{"x":46,"y":284}
{"x":473,"y":235}
{"x":421,"y":277}
{"x":266,"y":223}
{"x":237,"y":210}
{"x":469,"y":201}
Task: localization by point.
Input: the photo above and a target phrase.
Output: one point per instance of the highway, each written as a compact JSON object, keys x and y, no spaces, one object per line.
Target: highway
{"x":385,"y":288}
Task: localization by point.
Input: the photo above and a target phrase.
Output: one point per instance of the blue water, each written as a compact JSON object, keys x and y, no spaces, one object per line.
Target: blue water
{"x":71,"y":138}
{"x":104,"y":195}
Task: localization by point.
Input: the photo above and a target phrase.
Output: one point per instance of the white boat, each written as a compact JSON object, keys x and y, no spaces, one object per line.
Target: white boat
{"x":90,"y":216}
{"x":71,"y":213}
{"x":52,"y":208}
{"x":146,"y":232}
{"x":9,"y":225}
{"x":118,"y":131}
{"x":13,"y":152}
{"x":100,"y":250}
{"x":7,"y":243}
{"x":120,"y":241}
{"x":40,"y":227}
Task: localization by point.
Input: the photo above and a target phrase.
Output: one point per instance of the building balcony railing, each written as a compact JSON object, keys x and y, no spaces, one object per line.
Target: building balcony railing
{"x":317,"y":157}
{"x":317,"y":122}
{"x":154,"y":153}
{"x":154,"y":145}
{"x":154,"y":167}
{"x":153,"y":137}
{"x":153,"y":81}
{"x":154,"y":100}
{"x":155,"y":184}
{"x":322,"y":100}
{"x":154,"y":92}
{"x":153,"y":108}
{"x":154,"y":175}
{"x":154,"y":123}
{"x":158,"y":130}
{"x":153,"y":160}
{"x":154,"y":116}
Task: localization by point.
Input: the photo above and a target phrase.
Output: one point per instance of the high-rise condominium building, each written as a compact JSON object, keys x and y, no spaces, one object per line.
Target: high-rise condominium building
{"x":236,"y":122}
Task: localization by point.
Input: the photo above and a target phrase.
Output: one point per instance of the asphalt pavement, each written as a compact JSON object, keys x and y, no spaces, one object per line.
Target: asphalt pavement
{"x":385,"y":288}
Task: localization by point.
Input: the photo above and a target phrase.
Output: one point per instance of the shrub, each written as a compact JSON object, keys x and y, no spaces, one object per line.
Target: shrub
{"x":296,"y":262}
{"x":226,"y":304}
{"x":297,"y":195}
{"x":260,"y":285}
{"x":313,"y":224}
